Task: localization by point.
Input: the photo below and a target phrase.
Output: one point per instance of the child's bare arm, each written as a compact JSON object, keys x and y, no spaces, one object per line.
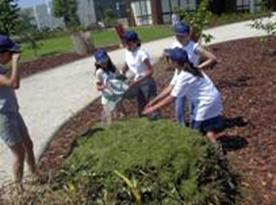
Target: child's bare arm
{"x":209,"y":58}
{"x":14,"y":78}
{"x":100,"y":86}
{"x":165,"y":92}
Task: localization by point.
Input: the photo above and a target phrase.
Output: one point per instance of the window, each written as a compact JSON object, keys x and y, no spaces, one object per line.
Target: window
{"x":142,"y":12}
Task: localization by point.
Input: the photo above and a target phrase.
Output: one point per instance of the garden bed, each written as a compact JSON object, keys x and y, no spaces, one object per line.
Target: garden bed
{"x":247,"y":79}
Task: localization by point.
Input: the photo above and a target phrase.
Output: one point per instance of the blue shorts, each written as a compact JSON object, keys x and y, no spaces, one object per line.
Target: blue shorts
{"x":13,"y":129}
{"x":214,"y":124}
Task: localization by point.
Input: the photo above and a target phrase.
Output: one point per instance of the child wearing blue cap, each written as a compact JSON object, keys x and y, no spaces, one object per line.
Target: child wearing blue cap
{"x":198,"y":89}
{"x":13,"y":130}
{"x":138,"y":62}
{"x":110,"y":83}
{"x":195,"y":54}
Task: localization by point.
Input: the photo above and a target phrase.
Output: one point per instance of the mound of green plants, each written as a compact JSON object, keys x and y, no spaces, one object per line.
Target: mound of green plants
{"x":143,"y":162}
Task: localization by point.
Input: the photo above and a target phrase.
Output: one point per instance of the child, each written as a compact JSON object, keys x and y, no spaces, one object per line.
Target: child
{"x":195,"y":53}
{"x":138,"y":61}
{"x":107,"y":82}
{"x":13,"y":130}
{"x":199,"y":90}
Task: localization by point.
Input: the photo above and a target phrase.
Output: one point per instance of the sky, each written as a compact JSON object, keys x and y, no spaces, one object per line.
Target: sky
{"x":28,"y":3}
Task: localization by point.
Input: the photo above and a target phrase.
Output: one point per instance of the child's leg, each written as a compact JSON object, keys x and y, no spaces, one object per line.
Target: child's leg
{"x":211,"y":127}
{"x":18,"y":156}
{"x":27,"y":144}
{"x":106,"y":115}
{"x":180,"y":110}
{"x":212,"y":137}
{"x":121,"y":109}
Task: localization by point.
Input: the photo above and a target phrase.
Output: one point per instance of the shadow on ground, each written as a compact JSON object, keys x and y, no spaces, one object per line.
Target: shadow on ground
{"x":230,"y":142}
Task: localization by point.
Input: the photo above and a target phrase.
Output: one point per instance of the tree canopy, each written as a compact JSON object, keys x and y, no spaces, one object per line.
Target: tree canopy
{"x":8,"y":16}
{"x":67,"y":9}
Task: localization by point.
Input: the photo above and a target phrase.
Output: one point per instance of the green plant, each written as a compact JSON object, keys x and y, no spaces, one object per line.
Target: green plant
{"x":268,"y":26}
{"x":199,"y":20}
{"x":8,"y":16}
{"x":26,"y":31}
{"x":67,"y":9}
{"x":109,"y":18}
{"x":147,"y":163}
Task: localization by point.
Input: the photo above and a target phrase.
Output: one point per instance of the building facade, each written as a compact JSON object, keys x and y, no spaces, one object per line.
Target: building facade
{"x":160,"y":11}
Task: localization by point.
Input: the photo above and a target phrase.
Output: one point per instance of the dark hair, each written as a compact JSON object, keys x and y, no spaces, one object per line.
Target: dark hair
{"x":109,"y":69}
{"x":190,"y":68}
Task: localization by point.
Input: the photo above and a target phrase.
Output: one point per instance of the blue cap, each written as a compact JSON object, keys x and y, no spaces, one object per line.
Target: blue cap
{"x":101,"y":56}
{"x":181,"y":28}
{"x":6,"y":44}
{"x":177,"y":54}
{"x":130,"y":36}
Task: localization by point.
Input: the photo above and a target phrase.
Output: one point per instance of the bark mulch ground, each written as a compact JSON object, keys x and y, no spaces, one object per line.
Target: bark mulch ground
{"x":246,"y":77}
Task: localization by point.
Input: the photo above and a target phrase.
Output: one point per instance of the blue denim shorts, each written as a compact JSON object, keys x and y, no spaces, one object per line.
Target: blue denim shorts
{"x":13,"y":129}
{"x":214,"y":124}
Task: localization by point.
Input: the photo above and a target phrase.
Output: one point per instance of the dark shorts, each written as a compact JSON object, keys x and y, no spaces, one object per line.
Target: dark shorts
{"x":13,"y":129}
{"x":214,"y":124}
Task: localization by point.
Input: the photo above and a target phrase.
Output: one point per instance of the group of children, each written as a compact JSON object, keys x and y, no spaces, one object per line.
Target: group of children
{"x":189,"y":83}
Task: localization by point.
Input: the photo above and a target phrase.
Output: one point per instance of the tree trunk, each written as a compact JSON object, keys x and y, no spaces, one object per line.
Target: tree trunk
{"x":82,"y":43}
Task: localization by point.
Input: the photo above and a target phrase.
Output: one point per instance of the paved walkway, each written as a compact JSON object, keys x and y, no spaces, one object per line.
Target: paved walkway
{"x":49,"y":99}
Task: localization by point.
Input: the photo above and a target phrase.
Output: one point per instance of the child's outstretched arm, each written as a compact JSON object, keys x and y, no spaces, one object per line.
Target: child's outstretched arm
{"x":209,"y":58}
{"x":12,"y":80}
{"x":164,"y":93}
{"x":164,"y":102}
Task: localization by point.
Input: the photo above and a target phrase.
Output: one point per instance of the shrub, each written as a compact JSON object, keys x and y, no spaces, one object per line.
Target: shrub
{"x":146,"y":163}
{"x":136,"y":162}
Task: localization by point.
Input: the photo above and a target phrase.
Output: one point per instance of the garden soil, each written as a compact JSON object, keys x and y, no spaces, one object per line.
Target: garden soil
{"x":246,"y":77}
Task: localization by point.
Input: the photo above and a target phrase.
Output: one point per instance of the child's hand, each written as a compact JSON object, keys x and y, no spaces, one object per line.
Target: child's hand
{"x":149,"y":104}
{"x":147,"y":111}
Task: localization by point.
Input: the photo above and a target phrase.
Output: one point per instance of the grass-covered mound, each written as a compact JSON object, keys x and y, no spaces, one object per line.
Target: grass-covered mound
{"x":144,"y":162}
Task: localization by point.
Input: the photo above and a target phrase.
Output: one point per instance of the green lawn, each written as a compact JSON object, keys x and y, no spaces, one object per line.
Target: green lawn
{"x":48,"y":47}
{"x":63,"y":44}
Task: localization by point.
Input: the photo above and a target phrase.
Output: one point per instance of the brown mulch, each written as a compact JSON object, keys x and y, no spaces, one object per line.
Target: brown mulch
{"x":51,"y":62}
{"x":246,"y":77}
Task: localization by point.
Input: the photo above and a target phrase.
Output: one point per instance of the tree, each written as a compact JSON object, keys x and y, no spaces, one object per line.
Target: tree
{"x":109,"y":18}
{"x":198,"y":20}
{"x":67,"y":9}
{"x":26,"y":30}
{"x":8,"y":16}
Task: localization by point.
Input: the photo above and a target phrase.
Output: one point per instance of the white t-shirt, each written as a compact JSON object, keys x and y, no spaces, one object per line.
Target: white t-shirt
{"x":135,"y":61}
{"x":175,"y":75}
{"x":191,"y":49}
{"x":103,"y":78}
{"x":201,"y":92}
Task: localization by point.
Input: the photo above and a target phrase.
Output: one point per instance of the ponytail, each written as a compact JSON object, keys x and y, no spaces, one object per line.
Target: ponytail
{"x":190,"y":68}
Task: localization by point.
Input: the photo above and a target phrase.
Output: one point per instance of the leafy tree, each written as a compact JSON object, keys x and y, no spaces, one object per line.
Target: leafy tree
{"x":109,"y":17}
{"x":67,"y":9}
{"x":26,"y":30}
{"x":199,"y":20}
{"x":8,"y":16}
